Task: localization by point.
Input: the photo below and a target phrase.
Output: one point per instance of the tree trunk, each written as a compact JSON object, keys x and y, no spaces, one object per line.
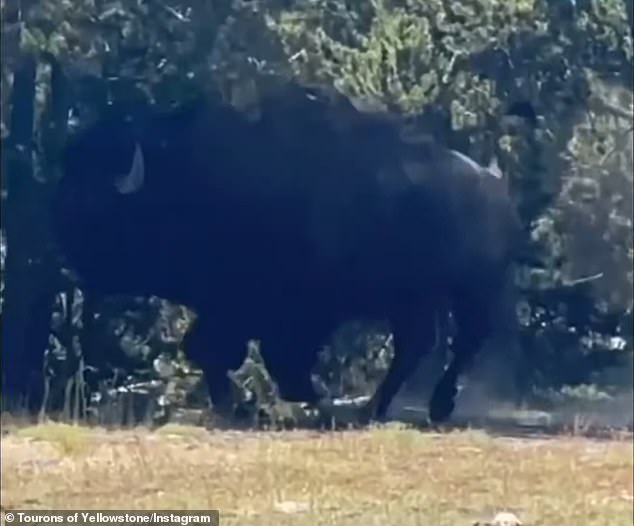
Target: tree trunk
{"x":31,"y":275}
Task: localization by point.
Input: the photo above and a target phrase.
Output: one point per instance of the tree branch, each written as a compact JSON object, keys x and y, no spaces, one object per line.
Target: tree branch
{"x":599,"y":105}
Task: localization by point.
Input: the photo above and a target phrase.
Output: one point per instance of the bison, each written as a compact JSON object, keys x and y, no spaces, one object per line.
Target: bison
{"x":285,"y":225}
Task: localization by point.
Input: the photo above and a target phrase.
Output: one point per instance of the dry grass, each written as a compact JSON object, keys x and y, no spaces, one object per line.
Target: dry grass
{"x":387,"y":476}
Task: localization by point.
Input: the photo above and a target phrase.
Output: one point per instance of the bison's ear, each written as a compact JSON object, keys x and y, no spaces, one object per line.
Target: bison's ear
{"x":133,"y":180}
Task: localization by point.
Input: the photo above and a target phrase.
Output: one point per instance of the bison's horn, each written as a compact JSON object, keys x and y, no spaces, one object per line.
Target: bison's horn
{"x":133,"y":180}
{"x":494,"y":168}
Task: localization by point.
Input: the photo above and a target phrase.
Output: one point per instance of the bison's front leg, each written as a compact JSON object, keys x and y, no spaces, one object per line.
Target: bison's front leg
{"x":216,"y":351}
{"x":289,"y":356}
{"x":414,"y":336}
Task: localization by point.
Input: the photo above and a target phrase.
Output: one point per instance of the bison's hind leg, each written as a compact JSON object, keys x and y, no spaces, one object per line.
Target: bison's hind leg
{"x":473,"y":325}
{"x":415,"y":334}
{"x":482,"y":311}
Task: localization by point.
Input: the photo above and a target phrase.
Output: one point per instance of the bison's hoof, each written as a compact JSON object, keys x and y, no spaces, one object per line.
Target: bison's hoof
{"x":442,"y":405}
{"x":441,"y":411}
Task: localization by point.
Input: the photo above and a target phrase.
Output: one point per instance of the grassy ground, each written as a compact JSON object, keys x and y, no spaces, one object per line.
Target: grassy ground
{"x":387,"y":476}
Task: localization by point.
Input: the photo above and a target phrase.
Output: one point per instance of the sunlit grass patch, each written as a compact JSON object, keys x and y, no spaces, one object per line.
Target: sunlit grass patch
{"x":182,"y":430}
{"x":390,"y":475}
{"x":69,"y":439}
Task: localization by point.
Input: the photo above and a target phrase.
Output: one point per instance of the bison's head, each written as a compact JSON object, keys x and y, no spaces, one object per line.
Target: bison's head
{"x":101,"y":166}
{"x":117,"y":207}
